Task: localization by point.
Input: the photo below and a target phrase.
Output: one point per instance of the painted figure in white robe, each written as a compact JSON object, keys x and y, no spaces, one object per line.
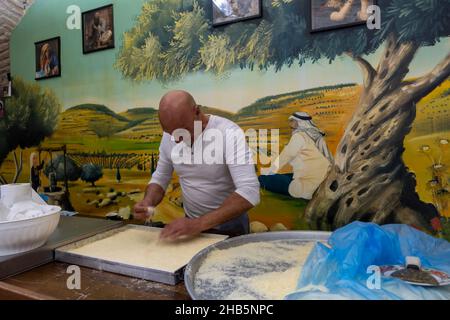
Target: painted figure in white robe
{"x":309,"y":157}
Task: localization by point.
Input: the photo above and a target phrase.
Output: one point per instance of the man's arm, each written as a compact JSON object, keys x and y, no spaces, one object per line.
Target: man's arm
{"x":41,"y":166}
{"x":289,"y":153}
{"x":232,"y":207}
{"x":155,"y":190}
{"x":154,"y":194}
{"x":245,"y":197}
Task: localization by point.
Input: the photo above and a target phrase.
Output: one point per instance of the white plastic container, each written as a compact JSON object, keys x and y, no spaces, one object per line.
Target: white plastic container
{"x":13,"y":193}
{"x":26,"y":235}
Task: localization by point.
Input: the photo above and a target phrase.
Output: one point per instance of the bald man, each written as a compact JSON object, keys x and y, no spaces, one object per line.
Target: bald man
{"x":216,"y":196}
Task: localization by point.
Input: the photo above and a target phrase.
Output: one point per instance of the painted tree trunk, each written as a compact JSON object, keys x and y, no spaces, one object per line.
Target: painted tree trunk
{"x":369,"y":181}
{"x":18,"y":163}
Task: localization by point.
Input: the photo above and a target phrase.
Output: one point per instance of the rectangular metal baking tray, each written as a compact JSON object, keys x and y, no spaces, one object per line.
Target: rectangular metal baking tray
{"x":69,"y":229}
{"x":172,"y":278}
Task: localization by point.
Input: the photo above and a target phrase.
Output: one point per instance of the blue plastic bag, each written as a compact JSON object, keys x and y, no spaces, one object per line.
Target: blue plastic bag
{"x":341,"y":272}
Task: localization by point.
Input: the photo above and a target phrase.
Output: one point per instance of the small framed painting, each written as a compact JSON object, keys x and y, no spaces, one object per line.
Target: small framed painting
{"x":98,"y":29}
{"x":48,"y":58}
{"x":336,"y":14}
{"x":230,"y":11}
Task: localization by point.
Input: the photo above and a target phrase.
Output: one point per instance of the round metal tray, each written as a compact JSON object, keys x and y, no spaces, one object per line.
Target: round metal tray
{"x":193,"y":266}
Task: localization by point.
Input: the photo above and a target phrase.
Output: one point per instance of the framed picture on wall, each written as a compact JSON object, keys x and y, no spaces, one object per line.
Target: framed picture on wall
{"x":98,"y":29}
{"x":48,"y":58}
{"x":230,"y":11}
{"x":335,"y":14}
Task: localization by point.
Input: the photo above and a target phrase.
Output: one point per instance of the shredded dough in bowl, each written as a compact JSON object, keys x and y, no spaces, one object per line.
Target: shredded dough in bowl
{"x":256,"y":271}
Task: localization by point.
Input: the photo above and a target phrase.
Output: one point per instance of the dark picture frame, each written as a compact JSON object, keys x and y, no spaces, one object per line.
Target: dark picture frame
{"x":319,"y":7}
{"x":98,"y":35}
{"x":220,"y":18}
{"x":47,"y":58}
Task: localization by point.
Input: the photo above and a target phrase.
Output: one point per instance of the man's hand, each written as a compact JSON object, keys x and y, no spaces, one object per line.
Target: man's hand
{"x":141,"y":210}
{"x":181,"y":228}
{"x":153,"y":196}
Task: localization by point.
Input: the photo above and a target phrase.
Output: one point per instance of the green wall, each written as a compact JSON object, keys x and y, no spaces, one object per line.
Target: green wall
{"x":93,"y":79}
{"x":47,"y":19}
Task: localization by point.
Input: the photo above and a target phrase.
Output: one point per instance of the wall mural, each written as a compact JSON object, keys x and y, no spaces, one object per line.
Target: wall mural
{"x":386,"y":137}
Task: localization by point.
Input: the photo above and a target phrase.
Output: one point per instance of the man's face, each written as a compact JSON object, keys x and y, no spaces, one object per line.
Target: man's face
{"x":35,"y":160}
{"x":293,"y":124}
{"x":184,"y":122}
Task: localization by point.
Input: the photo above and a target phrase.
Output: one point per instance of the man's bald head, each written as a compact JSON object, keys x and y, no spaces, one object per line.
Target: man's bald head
{"x":178,"y":110}
{"x":178,"y":100}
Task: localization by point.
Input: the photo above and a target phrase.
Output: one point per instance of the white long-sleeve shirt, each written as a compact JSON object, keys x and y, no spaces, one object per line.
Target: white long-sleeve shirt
{"x":206,"y":186}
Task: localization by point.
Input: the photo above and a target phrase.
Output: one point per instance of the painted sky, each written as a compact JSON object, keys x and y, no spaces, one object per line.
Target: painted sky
{"x":92,"y":78}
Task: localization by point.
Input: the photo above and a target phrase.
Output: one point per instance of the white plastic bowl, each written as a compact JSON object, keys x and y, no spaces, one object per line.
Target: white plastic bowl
{"x":26,"y":235}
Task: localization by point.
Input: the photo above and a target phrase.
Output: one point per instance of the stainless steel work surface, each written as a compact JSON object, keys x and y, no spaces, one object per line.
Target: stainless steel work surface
{"x":69,"y":229}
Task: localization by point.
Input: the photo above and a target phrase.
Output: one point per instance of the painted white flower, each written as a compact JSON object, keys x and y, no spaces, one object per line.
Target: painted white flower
{"x":443,"y":141}
{"x":425,"y":148}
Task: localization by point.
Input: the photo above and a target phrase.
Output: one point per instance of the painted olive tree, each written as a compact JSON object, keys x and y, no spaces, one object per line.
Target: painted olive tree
{"x":91,"y":173}
{"x":31,"y":115}
{"x":368,"y":180}
{"x":72,"y":172}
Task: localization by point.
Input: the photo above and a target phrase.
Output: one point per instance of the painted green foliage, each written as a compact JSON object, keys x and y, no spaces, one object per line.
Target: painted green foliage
{"x":91,"y":173}
{"x":73,"y":171}
{"x":173,"y":37}
{"x":31,"y":116}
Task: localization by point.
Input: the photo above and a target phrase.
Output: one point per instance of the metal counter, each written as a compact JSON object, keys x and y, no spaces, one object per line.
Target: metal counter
{"x":69,"y":229}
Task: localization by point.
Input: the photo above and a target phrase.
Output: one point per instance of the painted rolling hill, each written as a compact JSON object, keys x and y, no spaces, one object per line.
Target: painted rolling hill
{"x":137,"y":114}
{"x":87,"y":119}
{"x":93,"y":126}
{"x":331,"y":108}
{"x":148,"y":129}
{"x":97,"y":126}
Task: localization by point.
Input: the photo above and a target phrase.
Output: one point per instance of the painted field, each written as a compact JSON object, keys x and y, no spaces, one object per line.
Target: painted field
{"x":427,"y":152}
{"x":95,"y":131}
